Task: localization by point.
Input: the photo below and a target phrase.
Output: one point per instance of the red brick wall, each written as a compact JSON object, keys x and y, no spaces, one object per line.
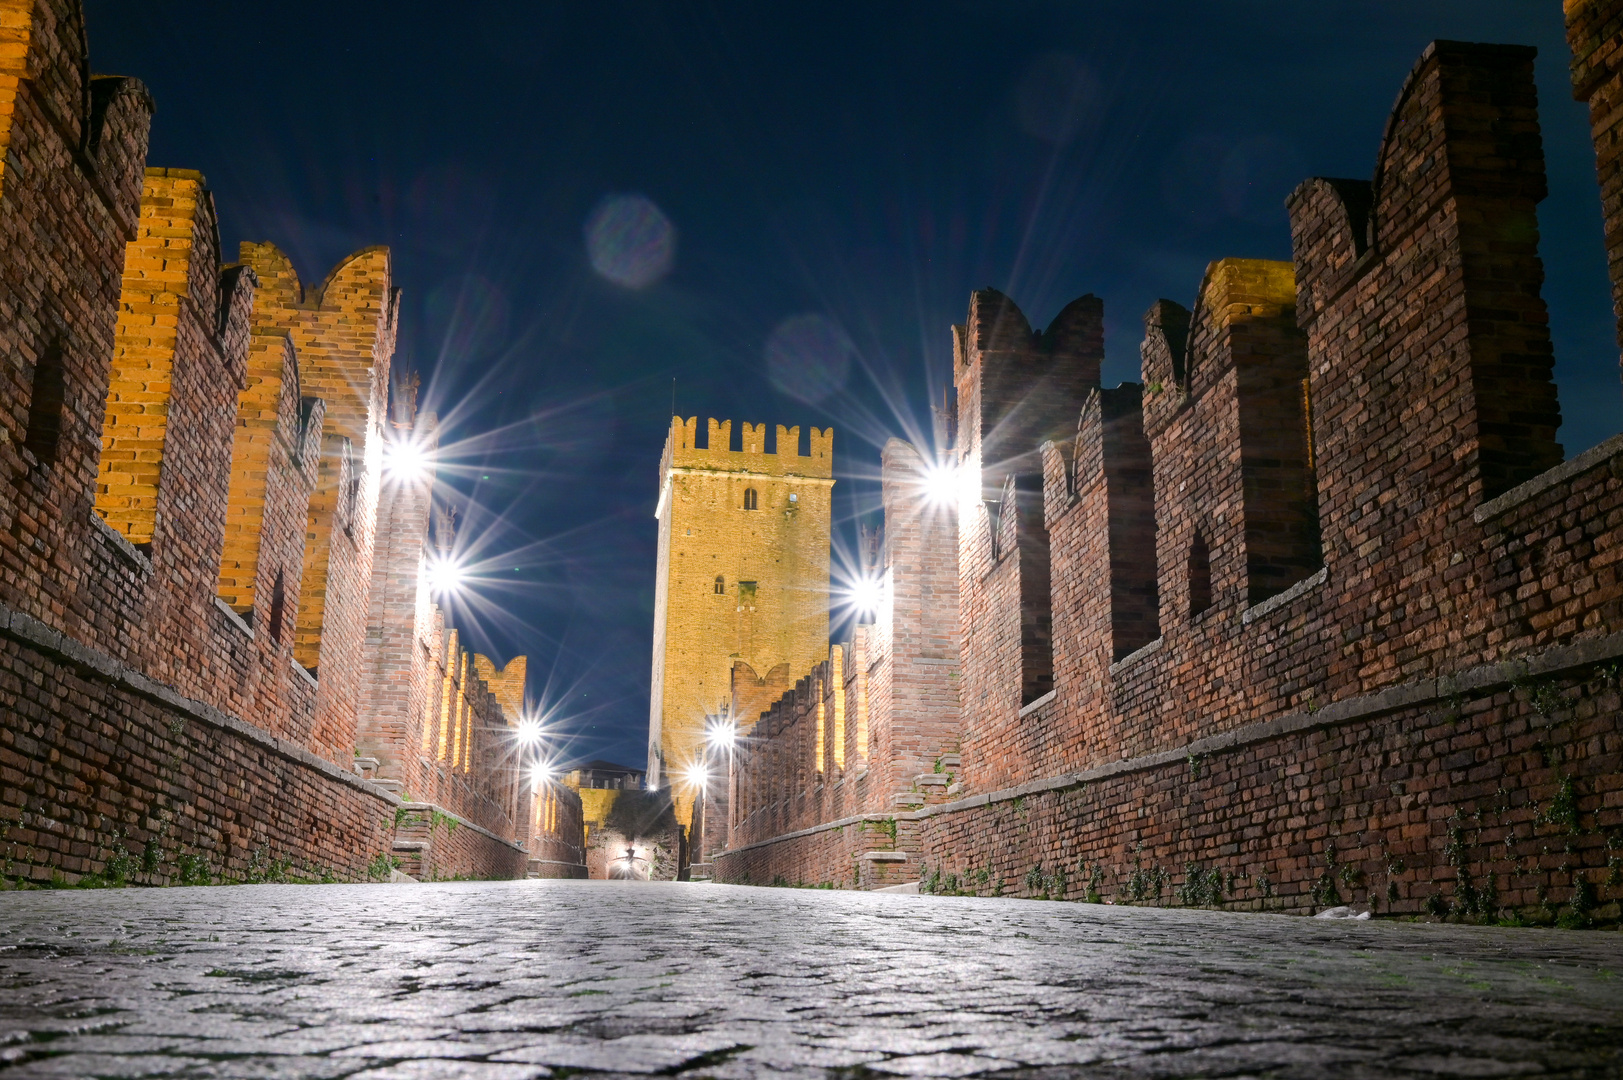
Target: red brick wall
{"x":889,"y":708}
{"x":104,"y":767}
{"x":343,"y":331}
{"x":1427,"y":723}
{"x":150,"y":707}
{"x":1595,"y":34}
{"x":65,"y":217}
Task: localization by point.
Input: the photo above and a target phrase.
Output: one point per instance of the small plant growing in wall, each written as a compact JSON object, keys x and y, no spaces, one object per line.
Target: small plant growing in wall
{"x":116,"y":871}
{"x":192,"y":869}
{"x":1200,"y":886}
{"x":1325,"y":892}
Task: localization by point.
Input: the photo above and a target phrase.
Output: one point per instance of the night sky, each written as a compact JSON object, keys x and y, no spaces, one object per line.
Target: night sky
{"x":784,"y":208}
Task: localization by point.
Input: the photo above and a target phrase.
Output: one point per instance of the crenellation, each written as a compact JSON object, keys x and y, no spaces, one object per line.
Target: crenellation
{"x":161,"y":447}
{"x":741,"y":531}
{"x":1297,"y":641}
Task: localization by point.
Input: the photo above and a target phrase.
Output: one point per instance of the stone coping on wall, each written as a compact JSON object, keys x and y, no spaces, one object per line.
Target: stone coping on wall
{"x":31,"y":632}
{"x":1027,"y":710}
{"x":1273,"y":603}
{"x":1598,"y":454}
{"x":304,"y":673}
{"x":1553,"y":660}
{"x":1136,"y":655}
{"x":121,"y":544}
{"x":462,"y":822}
{"x":236,"y":620}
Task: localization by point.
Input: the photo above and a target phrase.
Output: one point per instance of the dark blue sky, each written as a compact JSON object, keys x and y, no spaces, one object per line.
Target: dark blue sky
{"x":869,"y":164}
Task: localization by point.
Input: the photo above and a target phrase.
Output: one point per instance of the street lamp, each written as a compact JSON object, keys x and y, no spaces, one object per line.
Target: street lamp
{"x":444,"y":575}
{"x":406,"y":460}
{"x":696,"y":776}
{"x":940,"y":483}
{"x":721,"y":735}
{"x":540,"y":773}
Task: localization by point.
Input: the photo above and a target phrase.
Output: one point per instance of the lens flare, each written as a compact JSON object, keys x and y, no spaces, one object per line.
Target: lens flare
{"x":630,"y":241}
{"x":941,"y":483}
{"x":865,"y":594}
{"x":696,"y":776}
{"x":540,"y":773}
{"x":406,"y":461}
{"x":529,"y":730}
{"x":808,"y":357}
{"x":722,"y":736}
{"x":444,"y":575}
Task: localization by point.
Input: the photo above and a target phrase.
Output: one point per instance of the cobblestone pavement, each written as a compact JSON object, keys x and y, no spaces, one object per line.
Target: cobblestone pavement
{"x":535,"y":978}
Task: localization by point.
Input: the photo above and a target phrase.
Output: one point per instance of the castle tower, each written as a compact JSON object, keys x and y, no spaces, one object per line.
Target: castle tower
{"x":743,"y":578}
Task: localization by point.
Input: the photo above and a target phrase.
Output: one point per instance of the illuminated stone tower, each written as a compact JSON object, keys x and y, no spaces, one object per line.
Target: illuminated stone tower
{"x":743,"y":577}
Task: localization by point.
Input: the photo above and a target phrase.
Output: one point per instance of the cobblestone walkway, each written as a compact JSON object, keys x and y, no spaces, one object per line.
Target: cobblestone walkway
{"x":534,"y":979}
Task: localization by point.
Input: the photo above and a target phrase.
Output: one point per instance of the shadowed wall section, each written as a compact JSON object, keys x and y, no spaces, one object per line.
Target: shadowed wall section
{"x":1364,"y":648}
{"x":161,"y":440}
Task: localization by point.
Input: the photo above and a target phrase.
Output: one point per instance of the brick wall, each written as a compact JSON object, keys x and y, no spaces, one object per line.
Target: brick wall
{"x":742,"y":578}
{"x":343,"y":331}
{"x":153,"y":559}
{"x":1595,"y":34}
{"x":865,"y":733}
{"x":557,"y":834}
{"x":1387,"y":620}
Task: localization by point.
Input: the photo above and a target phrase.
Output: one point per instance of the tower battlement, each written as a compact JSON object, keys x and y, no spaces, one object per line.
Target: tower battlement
{"x":742,"y":577}
{"x":682,"y":450}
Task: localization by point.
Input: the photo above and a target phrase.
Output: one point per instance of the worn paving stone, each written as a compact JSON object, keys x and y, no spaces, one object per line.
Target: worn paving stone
{"x":528,"y":979}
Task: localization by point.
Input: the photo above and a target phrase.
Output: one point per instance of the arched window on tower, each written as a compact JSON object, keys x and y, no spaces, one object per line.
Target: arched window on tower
{"x":751,"y":500}
{"x":721,"y":585}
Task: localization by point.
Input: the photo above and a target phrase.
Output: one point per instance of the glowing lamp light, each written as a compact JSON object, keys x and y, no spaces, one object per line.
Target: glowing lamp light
{"x":406,"y":461}
{"x":941,"y":484}
{"x":721,"y":736}
{"x":444,"y":575}
{"x":540,"y":773}
{"x":866,"y":595}
{"x":696,"y":776}
{"x":529,"y":730}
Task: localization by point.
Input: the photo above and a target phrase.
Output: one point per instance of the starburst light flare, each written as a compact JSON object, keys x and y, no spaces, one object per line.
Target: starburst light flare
{"x":444,"y":575}
{"x":406,"y":461}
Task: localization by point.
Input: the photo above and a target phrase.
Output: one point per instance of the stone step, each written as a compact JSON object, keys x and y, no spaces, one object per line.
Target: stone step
{"x":949,"y":762}
{"x":908,"y":798}
{"x":389,"y":785}
{"x":932,"y":779}
{"x":366,"y":766}
{"x":883,"y":856}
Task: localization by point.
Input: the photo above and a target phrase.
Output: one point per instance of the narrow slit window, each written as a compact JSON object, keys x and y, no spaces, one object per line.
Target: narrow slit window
{"x":45,"y":403}
{"x":751,"y":500}
{"x":1200,"y":576}
{"x":278,"y":607}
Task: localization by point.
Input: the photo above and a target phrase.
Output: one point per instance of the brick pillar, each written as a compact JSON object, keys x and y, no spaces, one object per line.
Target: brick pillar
{"x":914,"y":637}
{"x":177,"y":366}
{"x":1595,"y":35}
{"x":1436,"y":261}
{"x":344,"y":333}
{"x":1016,"y":389}
{"x":1224,"y":410}
{"x":399,"y":679}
